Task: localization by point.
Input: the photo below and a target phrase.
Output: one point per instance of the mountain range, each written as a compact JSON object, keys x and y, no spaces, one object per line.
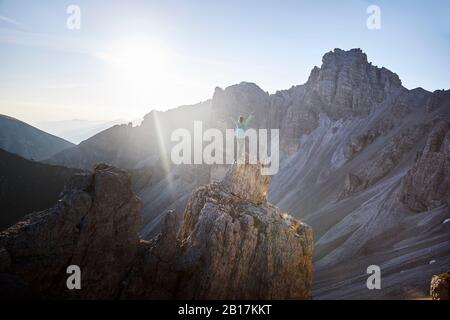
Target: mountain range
{"x":364,"y":161}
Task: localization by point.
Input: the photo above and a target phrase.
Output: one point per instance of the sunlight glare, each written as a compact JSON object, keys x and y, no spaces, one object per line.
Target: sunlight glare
{"x":139,"y":71}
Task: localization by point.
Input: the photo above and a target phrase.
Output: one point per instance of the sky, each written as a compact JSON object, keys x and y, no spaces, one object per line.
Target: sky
{"x":130,"y":57}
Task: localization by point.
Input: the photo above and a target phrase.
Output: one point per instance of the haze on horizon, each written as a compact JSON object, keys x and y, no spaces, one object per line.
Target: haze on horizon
{"x":131,"y":57}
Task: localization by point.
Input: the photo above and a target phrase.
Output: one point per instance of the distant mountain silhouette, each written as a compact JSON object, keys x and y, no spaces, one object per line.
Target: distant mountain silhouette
{"x":76,"y":130}
{"x":27,"y":186}
{"x":27,"y":141}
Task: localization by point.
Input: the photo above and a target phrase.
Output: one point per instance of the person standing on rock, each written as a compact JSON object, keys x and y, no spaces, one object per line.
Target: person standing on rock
{"x":240,"y":128}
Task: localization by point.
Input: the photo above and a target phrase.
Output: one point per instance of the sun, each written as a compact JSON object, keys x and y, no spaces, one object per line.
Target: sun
{"x":139,"y":71}
{"x":139,"y":59}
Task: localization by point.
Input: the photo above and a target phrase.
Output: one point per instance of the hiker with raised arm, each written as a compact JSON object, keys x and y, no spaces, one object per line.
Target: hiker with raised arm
{"x":240,"y":128}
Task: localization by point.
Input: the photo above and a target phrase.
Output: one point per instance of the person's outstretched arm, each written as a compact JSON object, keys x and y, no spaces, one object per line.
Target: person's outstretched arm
{"x":234,"y":121}
{"x":247,"y":121}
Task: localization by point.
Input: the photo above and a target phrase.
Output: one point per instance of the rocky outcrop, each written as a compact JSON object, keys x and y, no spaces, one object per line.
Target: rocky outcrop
{"x":231,"y":245}
{"x":352,"y":184}
{"x":394,"y":151}
{"x":358,"y":143}
{"x":93,"y":226}
{"x":427,"y":184}
{"x":440,"y":286}
{"x":247,"y":182}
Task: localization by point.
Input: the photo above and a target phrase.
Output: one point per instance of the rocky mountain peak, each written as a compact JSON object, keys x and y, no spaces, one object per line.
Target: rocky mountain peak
{"x":244,"y":99}
{"x":246,"y":93}
{"x":242,"y":87}
{"x":343,"y":63}
{"x":342,"y":57}
{"x":348,"y":85}
{"x":353,"y":63}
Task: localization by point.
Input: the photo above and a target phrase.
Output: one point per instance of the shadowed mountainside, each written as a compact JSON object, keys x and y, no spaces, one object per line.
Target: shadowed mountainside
{"x":27,"y":141}
{"x":27,"y":186}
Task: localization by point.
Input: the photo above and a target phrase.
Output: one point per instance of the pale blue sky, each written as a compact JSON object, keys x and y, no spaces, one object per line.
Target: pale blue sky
{"x":133,"y":56}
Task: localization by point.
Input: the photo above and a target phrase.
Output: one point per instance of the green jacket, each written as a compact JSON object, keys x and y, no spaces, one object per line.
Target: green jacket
{"x":241,"y":127}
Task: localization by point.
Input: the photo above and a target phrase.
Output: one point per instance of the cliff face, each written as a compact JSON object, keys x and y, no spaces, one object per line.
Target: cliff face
{"x":94,"y":226}
{"x":229,"y":246}
{"x":427,"y":184}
